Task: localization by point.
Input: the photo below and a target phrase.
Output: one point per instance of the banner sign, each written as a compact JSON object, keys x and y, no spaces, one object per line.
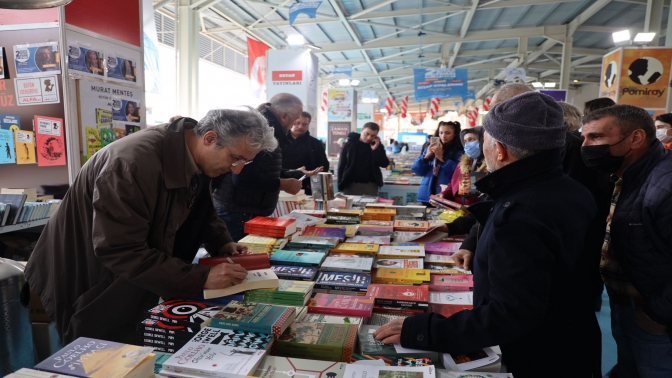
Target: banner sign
{"x":336,"y":131}
{"x":515,"y":75}
{"x":340,"y":105}
{"x":645,"y":77}
{"x":309,"y":9}
{"x":37,"y":59}
{"x":343,"y":70}
{"x":440,"y":82}
{"x":557,"y":94}
{"x":610,"y":75}
{"x":37,"y":90}
{"x":256,"y":68}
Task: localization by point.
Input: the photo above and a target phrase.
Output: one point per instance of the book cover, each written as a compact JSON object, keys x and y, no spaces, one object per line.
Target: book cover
{"x":332,"y":342}
{"x":352,"y":263}
{"x":50,"y":141}
{"x":439,"y":260}
{"x":324,"y":232}
{"x":183,"y":313}
{"x":411,"y":225}
{"x":442,"y":248}
{"x":470,"y":361}
{"x":370,"y":346}
{"x":401,"y":276}
{"x":380,"y":240}
{"x":7,"y":153}
{"x":10,"y":121}
{"x":313,"y":242}
{"x":238,"y":339}
{"x":448,"y":304}
{"x":256,"y":279}
{"x":444,"y":269}
{"x":343,"y":281}
{"x":346,"y":305}
{"x":331,"y":319}
{"x":93,"y":142}
{"x":287,"y":288}
{"x":288,"y":272}
{"x":86,"y":357}
{"x":400,"y":295}
{"x":286,"y":367}
{"x":446,"y":283}
{"x":159,"y":327}
{"x":254,"y":317}
{"x":350,"y":229}
{"x":398,"y":251}
{"x":356,"y":248}
{"x":380,"y":319}
{"x":24,"y":142}
{"x":399,"y":263}
{"x":369,"y":371}
{"x":213,"y":360}
{"x":297,"y":258}
{"x":270,"y":223}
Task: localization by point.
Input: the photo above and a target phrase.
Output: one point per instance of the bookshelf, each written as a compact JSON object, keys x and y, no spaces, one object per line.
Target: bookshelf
{"x":23,"y":226}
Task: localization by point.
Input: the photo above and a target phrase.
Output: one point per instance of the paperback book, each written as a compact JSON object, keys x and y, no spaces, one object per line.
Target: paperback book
{"x":288,"y":272}
{"x":369,"y":371}
{"x":348,"y":263}
{"x":199,"y":360}
{"x":256,"y":279}
{"x":356,"y":248}
{"x":380,"y":240}
{"x":400,"y":295}
{"x":254,"y":317}
{"x":286,"y":367}
{"x":401,"y":276}
{"x":320,"y":341}
{"x":368,"y":345}
{"x":442,"y":248}
{"x":331,"y":319}
{"x":350,"y":229}
{"x":238,"y":339}
{"x":445,"y":260}
{"x":324,"y":232}
{"x":450,"y":303}
{"x":182,"y":313}
{"x":312,"y":242}
{"x":399,"y":263}
{"x":402,"y":252}
{"x":345,"y":305}
{"x":343,"y":281}
{"x":380,"y":319}
{"x":451,"y":283}
{"x":283,"y":257}
{"x":411,"y":225}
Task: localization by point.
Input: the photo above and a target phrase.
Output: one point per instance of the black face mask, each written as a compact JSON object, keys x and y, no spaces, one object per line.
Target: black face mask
{"x":599,"y":157}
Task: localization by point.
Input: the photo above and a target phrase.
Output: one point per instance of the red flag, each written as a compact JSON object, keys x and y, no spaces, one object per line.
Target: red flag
{"x":388,"y":105}
{"x":404,"y":107}
{"x":256,"y":68}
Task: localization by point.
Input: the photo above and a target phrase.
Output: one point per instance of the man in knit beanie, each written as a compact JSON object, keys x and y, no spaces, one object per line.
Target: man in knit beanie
{"x":530,"y":267}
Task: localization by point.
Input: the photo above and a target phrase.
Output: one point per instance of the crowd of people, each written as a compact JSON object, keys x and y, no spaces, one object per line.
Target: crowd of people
{"x":559,"y":203}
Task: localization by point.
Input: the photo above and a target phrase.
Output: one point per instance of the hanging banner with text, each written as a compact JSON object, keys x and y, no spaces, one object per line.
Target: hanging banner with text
{"x":440,"y":82}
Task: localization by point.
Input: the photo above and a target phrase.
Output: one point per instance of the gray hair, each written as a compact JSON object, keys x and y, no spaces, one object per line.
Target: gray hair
{"x":517,"y":153}
{"x":286,"y":103}
{"x":572,"y":115}
{"x":508,"y":91}
{"x":231,"y":125}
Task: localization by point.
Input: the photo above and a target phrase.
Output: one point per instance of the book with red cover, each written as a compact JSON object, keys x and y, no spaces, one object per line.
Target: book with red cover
{"x":277,"y":227}
{"x":345,"y":305}
{"x":325,"y":232}
{"x":399,"y":295}
{"x":451,"y":283}
{"x":252,"y":261}
{"x":442,"y":248}
{"x":183,"y":313}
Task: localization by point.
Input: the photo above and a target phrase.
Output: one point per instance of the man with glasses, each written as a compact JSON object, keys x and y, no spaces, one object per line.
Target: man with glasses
{"x":241,"y":196}
{"x":132,"y":222}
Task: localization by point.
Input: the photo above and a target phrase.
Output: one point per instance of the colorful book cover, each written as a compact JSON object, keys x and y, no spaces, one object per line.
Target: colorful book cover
{"x":313,"y":242}
{"x":94,"y":358}
{"x":183,"y":312}
{"x":286,"y":367}
{"x":10,"y":122}
{"x":237,"y":339}
{"x":350,"y":229}
{"x":287,"y":288}
{"x":380,"y":240}
{"x":324,"y":232}
{"x":439,"y":260}
{"x":330,"y":342}
{"x":24,"y":142}
{"x":196,"y":358}
{"x":348,"y":263}
{"x":399,"y":263}
{"x":398,"y":251}
{"x":443,"y":269}
{"x":107,"y":136}
{"x":346,"y":305}
{"x":448,"y":304}
{"x":442,"y":248}
{"x":93,"y":143}
{"x":343,"y":281}
{"x":378,"y":371}
{"x":270,"y":222}
{"x":331,"y":319}
{"x":297,"y":258}
{"x":356,"y":248}
{"x":304,"y":273}
{"x":451,"y":283}
{"x":50,"y":141}
{"x":401,"y":276}
{"x":159,"y":327}
{"x":7,"y":154}
{"x":254,"y":317}
{"x":368,"y":345}
{"x":400,"y":295}
{"x":411,"y":225}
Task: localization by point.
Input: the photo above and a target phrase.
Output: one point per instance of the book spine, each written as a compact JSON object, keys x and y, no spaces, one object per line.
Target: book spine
{"x":339,"y":311}
{"x":339,"y":288}
{"x":400,"y":303}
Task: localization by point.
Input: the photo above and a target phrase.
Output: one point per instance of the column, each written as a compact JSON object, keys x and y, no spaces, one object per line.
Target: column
{"x":187,"y":63}
{"x":566,"y":62}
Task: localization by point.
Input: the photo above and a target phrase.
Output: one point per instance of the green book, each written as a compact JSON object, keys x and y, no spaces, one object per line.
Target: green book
{"x":254,"y":317}
{"x":331,"y":342}
{"x":368,"y":345}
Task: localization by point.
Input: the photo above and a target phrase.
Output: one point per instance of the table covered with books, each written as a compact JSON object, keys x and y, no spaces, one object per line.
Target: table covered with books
{"x":319,"y":284}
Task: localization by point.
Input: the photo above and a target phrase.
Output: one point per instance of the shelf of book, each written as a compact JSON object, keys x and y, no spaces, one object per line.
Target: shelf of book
{"x":23,"y":226}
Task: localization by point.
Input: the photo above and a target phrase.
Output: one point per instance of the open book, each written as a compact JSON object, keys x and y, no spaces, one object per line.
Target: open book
{"x":256,"y":279}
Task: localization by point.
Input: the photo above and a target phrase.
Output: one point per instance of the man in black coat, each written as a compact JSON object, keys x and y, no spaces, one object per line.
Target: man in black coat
{"x":530,"y":266}
{"x":360,"y":161}
{"x":303,"y":150}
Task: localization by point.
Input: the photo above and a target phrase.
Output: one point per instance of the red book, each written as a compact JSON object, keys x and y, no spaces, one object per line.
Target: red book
{"x":448,"y":310}
{"x":252,"y":261}
{"x":399,"y":295}
{"x":270,"y":223}
{"x":50,"y":141}
{"x":451,"y":283}
{"x":345,"y":305}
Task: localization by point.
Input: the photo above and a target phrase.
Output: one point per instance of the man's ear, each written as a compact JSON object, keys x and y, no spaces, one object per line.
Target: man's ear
{"x":502,"y":152}
{"x":638,"y":138}
{"x":209,"y":138}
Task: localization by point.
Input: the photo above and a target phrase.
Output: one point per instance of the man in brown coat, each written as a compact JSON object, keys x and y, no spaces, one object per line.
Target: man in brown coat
{"x":133,"y":220}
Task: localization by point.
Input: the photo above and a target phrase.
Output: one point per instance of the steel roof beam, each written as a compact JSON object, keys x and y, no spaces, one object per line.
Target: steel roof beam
{"x":371,"y":9}
{"x":463,"y":31}
{"x":249,"y":32}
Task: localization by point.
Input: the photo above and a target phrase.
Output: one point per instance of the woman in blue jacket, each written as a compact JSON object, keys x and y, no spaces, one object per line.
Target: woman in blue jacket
{"x":438,"y":160}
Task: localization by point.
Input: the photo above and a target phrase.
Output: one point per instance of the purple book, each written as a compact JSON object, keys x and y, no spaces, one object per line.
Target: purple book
{"x":442,"y":248}
{"x":325,"y":232}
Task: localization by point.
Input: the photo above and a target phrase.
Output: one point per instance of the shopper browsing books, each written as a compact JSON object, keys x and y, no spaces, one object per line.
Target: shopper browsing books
{"x":360,"y":161}
{"x":133,"y":220}
{"x":471,"y":168}
{"x":303,"y":150}
{"x":530,"y":266}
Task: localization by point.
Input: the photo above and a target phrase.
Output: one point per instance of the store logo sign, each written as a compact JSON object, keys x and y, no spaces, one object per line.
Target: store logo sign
{"x":287,"y":77}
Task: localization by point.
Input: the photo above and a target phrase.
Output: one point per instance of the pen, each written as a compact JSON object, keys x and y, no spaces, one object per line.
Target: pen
{"x":302,"y":177}
{"x":230,"y":261}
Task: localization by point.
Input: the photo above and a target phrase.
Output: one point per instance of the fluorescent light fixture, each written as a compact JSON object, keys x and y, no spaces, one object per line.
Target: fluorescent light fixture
{"x":537,"y":84}
{"x":549,"y":85}
{"x":621,"y":36}
{"x":354,"y":82}
{"x":367,"y":100}
{"x":374,"y":100}
{"x":296,"y":40}
{"x":644,"y":37}
{"x":576,"y":81}
{"x":344,"y":82}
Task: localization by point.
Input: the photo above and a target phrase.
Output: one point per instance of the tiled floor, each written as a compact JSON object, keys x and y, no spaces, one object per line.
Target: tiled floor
{"x":608,"y":343}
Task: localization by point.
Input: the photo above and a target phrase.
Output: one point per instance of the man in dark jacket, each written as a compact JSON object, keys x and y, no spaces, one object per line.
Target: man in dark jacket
{"x":254,"y":191}
{"x":636,"y":262}
{"x":132,"y":222}
{"x":302,"y":150}
{"x":360,"y":161}
{"x":530,"y":265}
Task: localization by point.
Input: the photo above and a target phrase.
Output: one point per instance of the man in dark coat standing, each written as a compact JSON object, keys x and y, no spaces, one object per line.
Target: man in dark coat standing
{"x":360,"y":161}
{"x":132,"y":222}
{"x":530,"y":266}
{"x":303,"y":150}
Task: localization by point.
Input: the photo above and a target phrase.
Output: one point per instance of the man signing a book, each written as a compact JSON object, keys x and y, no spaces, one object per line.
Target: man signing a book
{"x":132,"y":222}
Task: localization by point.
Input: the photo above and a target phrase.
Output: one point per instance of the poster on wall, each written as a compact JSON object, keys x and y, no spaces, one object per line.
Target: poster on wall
{"x":85,"y":59}
{"x":120,"y":68}
{"x":24,"y":142}
{"x":336,"y":131}
{"x":10,"y":122}
{"x":49,"y":141}
{"x":364,"y":115}
{"x":37,"y":90}
{"x":36,"y":59}
{"x":440,"y":82}
{"x":7,"y":147}
{"x":339,"y":106}
{"x":125,"y":110}
{"x":645,"y":77}
{"x":610,"y":75}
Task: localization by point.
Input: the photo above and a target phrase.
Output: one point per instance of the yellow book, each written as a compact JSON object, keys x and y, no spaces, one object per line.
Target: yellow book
{"x":24,"y":142}
{"x":350,"y":229}
{"x":401,"y":276}
{"x":375,"y":211}
{"x":356,"y":248}
{"x":256,"y":239}
{"x":93,"y":142}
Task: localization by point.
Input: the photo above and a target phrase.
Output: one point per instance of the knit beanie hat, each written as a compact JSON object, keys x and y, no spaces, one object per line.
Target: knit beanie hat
{"x":530,"y":121}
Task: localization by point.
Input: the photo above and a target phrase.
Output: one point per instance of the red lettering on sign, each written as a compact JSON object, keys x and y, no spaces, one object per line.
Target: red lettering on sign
{"x":287,"y":75}
{"x":7,"y":100}
{"x":3,"y":86}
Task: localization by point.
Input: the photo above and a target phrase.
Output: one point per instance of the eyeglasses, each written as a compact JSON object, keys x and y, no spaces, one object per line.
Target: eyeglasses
{"x":238,"y":160}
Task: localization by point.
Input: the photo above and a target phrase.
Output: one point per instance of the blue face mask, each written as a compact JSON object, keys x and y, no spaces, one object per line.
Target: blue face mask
{"x":472,"y":150}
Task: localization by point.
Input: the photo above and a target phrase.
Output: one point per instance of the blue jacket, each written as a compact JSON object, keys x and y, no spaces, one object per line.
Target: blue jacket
{"x":641,"y":231}
{"x":531,"y":276}
{"x":425,"y":168}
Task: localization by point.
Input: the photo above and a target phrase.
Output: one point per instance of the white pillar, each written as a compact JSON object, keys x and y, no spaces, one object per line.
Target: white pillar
{"x":187,"y":63}
{"x":566,"y":62}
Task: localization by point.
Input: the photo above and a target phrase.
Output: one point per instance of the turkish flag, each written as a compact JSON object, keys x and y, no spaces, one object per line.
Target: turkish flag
{"x":256,"y":68}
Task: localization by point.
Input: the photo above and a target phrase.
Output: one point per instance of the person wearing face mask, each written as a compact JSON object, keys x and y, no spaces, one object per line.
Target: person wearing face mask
{"x":530,"y":266}
{"x":438,"y":160}
{"x":461,"y":188}
{"x":636,"y":263}
{"x":664,"y":129}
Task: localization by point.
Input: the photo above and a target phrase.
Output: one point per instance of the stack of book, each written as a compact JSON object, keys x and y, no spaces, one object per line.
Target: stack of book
{"x":345,"y":305}
{"x":254,"y":317}
{"x":451,"y":283}
{"x":402,"y":252}
{"x":288,"y":203}
{"x":291,"y":293}
{"x":356,"y":248}
{"x":394,"y":276}
{"x":375,"y":230}
{"x":342,"y":216}
{"x":313,"y":213}
{"x":445,"y":269}
{"x":322,"y":186}
{"x":320,"y":341}
{"x":404,"y":296}
{"x":326,"y":232}
{"x":272,"y":227}
{"x":442,"y":260}
{"x":297,"y":273}
{"x":348,"y":262}
{"x":331,"y":319}
{"x":399,"y":263}
{"x":285,"y":367}
{"x":442,"y":248}
{"x":300,"y":258}
{"x":379,"y":214}
{"x":312,"y":242}
{"x":342,"y":283}
{"x":258,"y":244}
{"x":30,"y":193}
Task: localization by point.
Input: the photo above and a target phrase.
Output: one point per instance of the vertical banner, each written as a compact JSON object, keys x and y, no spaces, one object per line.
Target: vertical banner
{"x":645,"y":77}
{"x":364,"y":115}
{"x":440,"y":82}
{"x":340,"y":105}
{"x":336,"y":131}
{"x":256,"y":68}
{"x":610,"y":75}
{"x":151,"y":49}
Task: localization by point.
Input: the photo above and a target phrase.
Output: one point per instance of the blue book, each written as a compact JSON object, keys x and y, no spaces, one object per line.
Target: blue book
{"x":10,"y":121}
{"x":7,"y":153}
{"x":296,"y":273}
{"x":300,"y":258}
{"x":343,"y":281}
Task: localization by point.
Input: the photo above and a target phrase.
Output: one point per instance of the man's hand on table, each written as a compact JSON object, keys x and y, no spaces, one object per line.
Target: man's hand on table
{"x":233,"y":249}
{"x":225,"y":275}
{"x":390,"y":333}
